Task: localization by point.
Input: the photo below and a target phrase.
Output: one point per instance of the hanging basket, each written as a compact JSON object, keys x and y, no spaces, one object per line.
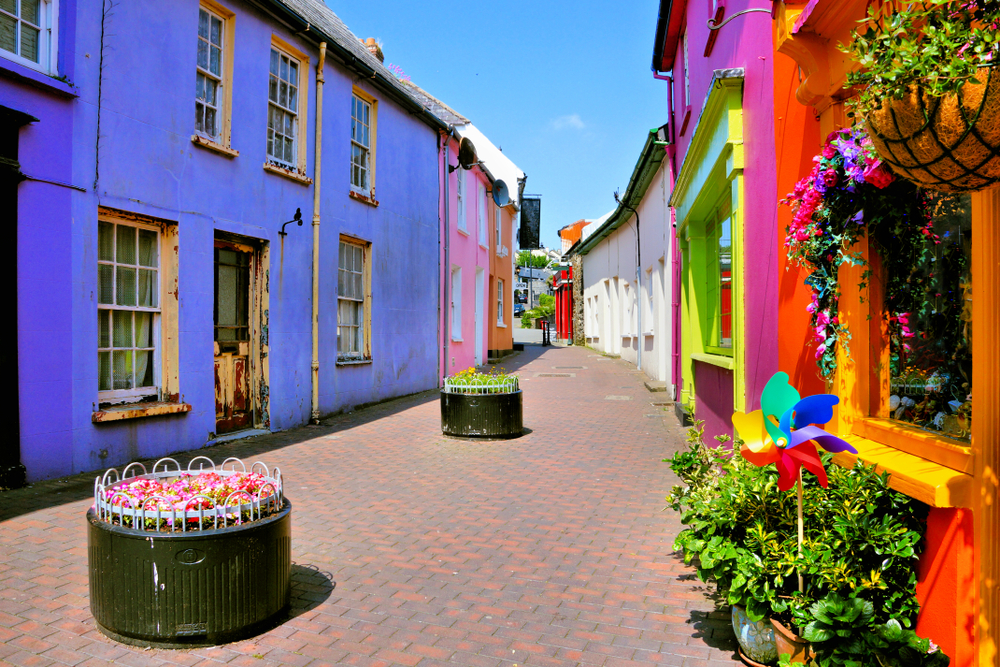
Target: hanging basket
{"x":950,"y":143}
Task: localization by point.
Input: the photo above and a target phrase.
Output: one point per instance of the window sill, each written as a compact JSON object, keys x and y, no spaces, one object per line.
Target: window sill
{"x":363,"y":198}
{"x":287,"y":173}
{"x":926,"y":481}
{"x":353,"y":362}
{"x":457,"y":340}
{"x":922,"y":444}
{"x":199,"y":140}
{"x":138,"y":411}
{"x":484,"y":246}
{"x":714,"y":360}
{"x":463,"y":232}
{"x":15,"y":70}
{"x":501,"y":325}
{"x":647,"y":334}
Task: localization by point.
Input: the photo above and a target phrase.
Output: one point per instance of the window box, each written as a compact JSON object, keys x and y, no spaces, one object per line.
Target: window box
{"x":364,"y":199}
{"x":287,"y":173}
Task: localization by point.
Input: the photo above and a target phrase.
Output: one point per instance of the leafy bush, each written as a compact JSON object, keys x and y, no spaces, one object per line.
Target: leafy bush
{"x":862,"y":542}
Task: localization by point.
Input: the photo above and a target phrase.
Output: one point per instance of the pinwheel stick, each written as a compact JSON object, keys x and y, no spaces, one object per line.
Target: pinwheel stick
{"x":801,"y":530}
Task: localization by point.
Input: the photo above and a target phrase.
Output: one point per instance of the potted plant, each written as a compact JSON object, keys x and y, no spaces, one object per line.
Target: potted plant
{"x":194,"y":557}
{"x":861,"y":542}
{"x":928,"y":90}
{"x":482,"y":405}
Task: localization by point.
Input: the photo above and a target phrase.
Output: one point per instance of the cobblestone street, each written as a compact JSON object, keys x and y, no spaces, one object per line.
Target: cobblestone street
{"x":411,"y":548}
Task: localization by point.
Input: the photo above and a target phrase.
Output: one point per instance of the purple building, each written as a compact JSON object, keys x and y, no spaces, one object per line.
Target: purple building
{"x":220,"y":210}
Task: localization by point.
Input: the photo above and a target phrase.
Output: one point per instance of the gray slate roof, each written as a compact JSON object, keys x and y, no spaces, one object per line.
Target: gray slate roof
{"x":324,"y":21}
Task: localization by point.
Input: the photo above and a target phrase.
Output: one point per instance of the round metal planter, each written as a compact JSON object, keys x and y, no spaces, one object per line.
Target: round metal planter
{"x":199,"y":588}
{"x":485,"y":416}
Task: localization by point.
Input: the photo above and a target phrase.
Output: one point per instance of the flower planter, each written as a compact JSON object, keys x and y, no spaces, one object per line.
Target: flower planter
{"x":172,"y":578}
{"x":788,"y":642}
{"x":487,"y":416}
{"x":949,"y":143}
{"x":756,"y":638}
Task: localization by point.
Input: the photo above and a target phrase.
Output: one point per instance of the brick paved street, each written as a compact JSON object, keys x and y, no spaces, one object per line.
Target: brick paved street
{"x":415,"y":549}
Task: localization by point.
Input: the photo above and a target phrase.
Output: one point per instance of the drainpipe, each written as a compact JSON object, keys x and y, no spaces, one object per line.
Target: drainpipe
{"x":447,"y":259}
{"x":317,"y":163}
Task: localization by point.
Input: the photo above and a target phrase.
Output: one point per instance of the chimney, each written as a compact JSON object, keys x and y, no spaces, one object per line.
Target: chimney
{"x":374,"y":49}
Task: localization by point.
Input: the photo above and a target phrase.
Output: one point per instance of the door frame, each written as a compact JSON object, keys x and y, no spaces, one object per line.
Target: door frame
{"x":258,"y":376}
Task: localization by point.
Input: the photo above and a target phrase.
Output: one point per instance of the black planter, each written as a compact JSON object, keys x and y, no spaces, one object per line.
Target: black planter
{"x":199,"y":588}
{"x":487,"y":416}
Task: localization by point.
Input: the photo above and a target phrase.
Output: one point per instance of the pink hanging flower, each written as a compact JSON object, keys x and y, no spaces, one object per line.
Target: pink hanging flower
{"x":878,"y":174}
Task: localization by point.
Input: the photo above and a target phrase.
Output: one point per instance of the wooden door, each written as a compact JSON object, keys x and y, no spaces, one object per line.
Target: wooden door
{"x":234,"y":409}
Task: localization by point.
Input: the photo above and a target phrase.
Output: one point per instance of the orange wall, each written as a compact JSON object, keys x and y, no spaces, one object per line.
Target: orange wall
{"x":797,"y":140}
{"x":501,"y":338}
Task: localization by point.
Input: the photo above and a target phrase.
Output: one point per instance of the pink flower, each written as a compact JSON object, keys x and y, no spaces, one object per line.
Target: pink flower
{"x":829,"y":151}
{"x":878,"y":175}
{"x":820,"y":350}
{"x":834,"y":320}
{"x":811,"y":307}
{"x":822,"y":319}
{"x":830,"y":177}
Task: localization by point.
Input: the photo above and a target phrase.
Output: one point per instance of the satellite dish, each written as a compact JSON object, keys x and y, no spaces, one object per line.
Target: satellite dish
{"x":500,"y":195}
{"x":467,"y":153}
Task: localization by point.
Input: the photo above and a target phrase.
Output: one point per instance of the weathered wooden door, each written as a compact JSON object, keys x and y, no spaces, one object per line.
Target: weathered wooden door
{"x":234,"y":409}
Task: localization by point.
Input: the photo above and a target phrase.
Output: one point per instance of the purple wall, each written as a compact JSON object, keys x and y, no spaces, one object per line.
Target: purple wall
{"x":149,"y":166}
{"x":714,"y":404}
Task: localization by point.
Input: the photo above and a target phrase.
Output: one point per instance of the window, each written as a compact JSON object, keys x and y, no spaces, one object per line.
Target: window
{"x":483,"y":236}
{"x":282,"y":108}
{"x":214,"y":73}
{"x":456,"y":303}
{"x":353,"y":291}
{"x":460,"y":194}
{"x":650,"y":311}
{"x":719,"y":280}
{"x":498,"y":218}
{"x":128,"y":312}
{"x":27,"y":32}
{"x":500,"y":302}
{"x":687,"y":71}
{"x":363,"y":115}
{"x":930,"y":343}
{"x":626,"y":309}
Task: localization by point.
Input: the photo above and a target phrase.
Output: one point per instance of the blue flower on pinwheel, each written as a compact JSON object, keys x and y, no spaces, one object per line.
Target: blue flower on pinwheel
{"x":785,"y":432}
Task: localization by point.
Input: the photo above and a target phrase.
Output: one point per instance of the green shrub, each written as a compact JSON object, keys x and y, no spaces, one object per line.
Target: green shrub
{"x":862,"y":542}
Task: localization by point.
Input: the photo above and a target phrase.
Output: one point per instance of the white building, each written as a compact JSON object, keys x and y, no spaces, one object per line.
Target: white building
{"x":628,"y":312}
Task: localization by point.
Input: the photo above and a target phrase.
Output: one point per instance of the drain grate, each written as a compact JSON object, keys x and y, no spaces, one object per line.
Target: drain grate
{"x":555,"y":375}
{"x":617,"y":398}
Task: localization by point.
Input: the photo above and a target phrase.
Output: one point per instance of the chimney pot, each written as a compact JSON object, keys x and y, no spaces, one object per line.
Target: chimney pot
{"x":374,"y":49}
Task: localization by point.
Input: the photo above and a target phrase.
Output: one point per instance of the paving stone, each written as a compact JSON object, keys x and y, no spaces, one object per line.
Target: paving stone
{"x":410,"y":548}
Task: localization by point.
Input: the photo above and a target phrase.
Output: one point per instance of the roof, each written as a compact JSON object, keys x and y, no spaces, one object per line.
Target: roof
{"x":496,"y":165}
{"x":312,"y":18}
{"x":668,"y":34}
{"x":642,"y":175}
{"x":435,"y":106}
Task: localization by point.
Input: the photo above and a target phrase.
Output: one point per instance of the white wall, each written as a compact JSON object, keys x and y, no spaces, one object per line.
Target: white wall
{"x":610,"y":266}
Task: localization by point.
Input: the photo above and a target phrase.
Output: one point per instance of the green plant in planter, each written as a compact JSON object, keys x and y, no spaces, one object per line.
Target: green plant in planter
{"x":861,"y":546}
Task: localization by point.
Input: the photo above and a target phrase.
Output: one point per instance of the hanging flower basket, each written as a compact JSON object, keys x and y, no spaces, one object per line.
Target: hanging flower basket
{"x":950,"y":143}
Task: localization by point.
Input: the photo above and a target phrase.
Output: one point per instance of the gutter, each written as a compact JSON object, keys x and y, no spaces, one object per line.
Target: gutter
{"x":317,"y":164}
{"x":649,"y":161}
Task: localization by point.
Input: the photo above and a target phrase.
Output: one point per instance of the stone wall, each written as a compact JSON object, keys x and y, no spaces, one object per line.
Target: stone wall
{"x":579,"y":335}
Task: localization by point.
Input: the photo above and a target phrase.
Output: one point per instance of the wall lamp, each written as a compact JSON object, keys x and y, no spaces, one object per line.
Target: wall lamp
{"x":297,"y":219}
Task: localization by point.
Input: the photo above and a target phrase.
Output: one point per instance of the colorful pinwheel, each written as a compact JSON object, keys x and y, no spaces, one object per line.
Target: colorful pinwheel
{"x":784,"y":429}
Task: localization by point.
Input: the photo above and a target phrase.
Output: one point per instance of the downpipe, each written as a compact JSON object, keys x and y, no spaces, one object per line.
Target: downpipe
{"x":317,"y":164}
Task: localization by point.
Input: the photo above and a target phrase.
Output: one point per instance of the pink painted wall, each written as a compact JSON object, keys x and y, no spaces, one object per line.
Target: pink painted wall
{"x":744,"y":43}
{"x":468,"y":250}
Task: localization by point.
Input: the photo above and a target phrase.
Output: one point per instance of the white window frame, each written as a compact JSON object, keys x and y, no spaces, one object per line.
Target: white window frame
{"x":500,"y":319}
{"x":456,"y":303}
{"x":484,"y":239}
{"x":360,"y":100}
{"x":48,"y":37}
{"x":460,"y":193}
{"x":106,"y":310}
{"x":285,"y":109}
{"x":687,"y":71}
{"x":218,"y":132}
{"x":358,"y":302}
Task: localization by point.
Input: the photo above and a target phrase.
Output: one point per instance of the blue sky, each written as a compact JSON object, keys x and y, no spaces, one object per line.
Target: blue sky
{"x":564,"y":88}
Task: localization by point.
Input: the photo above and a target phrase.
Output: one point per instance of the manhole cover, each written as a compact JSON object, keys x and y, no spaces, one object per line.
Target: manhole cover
{"x":555,"y":375}
{"x":617,"y":398}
